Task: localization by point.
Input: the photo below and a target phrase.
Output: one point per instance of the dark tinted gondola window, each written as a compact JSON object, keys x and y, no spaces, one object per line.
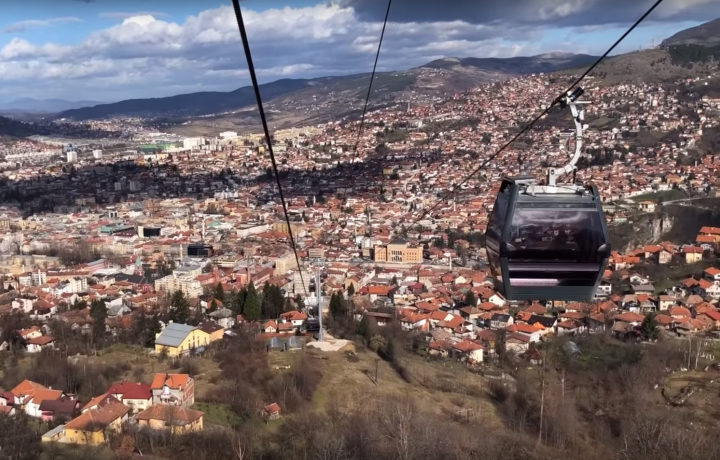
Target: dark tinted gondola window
{"x":556,"y":233}
{"x":499,"y":213}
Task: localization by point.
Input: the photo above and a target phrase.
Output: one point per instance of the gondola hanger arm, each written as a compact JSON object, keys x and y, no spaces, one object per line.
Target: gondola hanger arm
{"x":577,"y":108}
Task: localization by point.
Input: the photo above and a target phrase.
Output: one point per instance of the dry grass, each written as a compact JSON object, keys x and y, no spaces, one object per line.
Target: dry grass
{"x":143,"y":367}
{"x":442,"y":388}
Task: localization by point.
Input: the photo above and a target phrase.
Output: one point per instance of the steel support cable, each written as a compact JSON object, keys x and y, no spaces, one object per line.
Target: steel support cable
{"x":537,"y":118}
{"x":256,"y":87}
{"x":372,"y":77}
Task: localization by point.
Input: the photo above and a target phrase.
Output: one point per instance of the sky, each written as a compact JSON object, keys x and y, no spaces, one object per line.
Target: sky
{"x":106,"y":50}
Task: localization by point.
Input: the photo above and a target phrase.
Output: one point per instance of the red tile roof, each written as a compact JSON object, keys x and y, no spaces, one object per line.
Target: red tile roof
{"x":131,"y":390}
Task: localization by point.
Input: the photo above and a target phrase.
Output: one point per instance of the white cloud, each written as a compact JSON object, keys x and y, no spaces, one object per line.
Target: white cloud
{"x":146,"y":54}
{"x":22,"y":26}
{"x":126,"y":14}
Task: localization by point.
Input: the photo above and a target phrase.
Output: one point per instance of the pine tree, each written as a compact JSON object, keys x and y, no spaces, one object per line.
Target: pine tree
{"x":338,"y":306}
{"x":351,"y":290}
{"x":252,"y":307}
{"x":237,"y":303}
{"x":470,"y":298}
{"x":649,"y":326}
{"x":179,"y":308}
{"x":272,"y":301}
{"x":152,"y":328}
{"x":98,"y":312}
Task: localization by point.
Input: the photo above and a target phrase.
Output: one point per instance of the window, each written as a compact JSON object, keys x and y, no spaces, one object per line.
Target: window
{"x":557,"y":233}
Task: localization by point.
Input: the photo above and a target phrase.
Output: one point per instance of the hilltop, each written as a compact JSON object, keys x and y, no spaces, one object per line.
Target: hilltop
{"x":707,"y":34}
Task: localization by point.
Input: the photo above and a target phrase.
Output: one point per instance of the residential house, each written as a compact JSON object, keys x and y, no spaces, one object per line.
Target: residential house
{"x":532,"y":332}
{"x":37,"y":344}
{"x":546,"y":324}
{"x":415,"y":322}
{"x":62,"y":409}
{"x":297,"y":318}
{"x":666,"y":301}
{"x":271,"y":411}
{"x":693,"y":254}
{"x":213,"y":330}
{"x":176,"y":419}
{"x":270,"y":326}
{"x":487,"y":338}
{"x":713,"y":274}
{"x":604,"y":290}
{"x":92,"y":426}
{"x":665,"y":257}
{"x":500,"y":321}
{"x":440,"y":348}
{"x":224,"y":317}
{"x":100,"y":401}
{"x":468,"y":351}
{"x":30,"y":333}
{"x":517,"y":343}
{"x":29,"y":395}
{"x":180,"y":339}
{"x":570,"y":326}
{"x":176,"y":389}
{"x":137,"y":396}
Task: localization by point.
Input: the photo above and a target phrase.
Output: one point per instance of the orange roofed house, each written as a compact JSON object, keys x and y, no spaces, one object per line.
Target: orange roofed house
{"x":29,"y":395}
{"x":91,"y":426}
{"x":175,"y":389}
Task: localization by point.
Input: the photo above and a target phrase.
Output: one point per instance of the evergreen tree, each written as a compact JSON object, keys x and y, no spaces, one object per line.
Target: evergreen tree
{"x":196,"y":316}
{"x":470,"y":298}
{"x":649,"y":326}
{"x":299,"y":302}
{"x":252,"y":307}
{"x":179,"y":308}
{"x":338,"y":306}
{"x":351,"y":290}
{"x":148,"y":327}
{"x":237,"y":304}
{"x":272,"y":301}
{"x":98,"y":312}
{"x":364,"y":328}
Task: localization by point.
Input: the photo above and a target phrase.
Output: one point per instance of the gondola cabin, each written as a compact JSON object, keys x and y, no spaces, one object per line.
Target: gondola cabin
{"x":547,"y":242}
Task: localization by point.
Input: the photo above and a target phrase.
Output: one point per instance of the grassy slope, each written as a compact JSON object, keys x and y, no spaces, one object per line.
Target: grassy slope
{"x":438,"y":387}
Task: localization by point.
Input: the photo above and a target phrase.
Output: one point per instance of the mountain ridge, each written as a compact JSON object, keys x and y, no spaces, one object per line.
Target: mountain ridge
{"x":213,"y":102}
